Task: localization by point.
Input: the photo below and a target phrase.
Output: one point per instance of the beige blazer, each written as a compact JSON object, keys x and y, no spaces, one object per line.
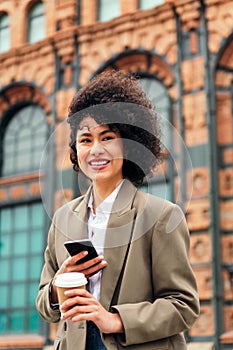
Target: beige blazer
{"x":152,"y":286}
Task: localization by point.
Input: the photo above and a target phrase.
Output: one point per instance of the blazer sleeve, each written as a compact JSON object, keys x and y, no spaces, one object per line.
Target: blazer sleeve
{"x":176,"y":303}
{"x":49,"y":270}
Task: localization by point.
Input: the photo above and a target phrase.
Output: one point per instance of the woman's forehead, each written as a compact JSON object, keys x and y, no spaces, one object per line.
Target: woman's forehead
{"x":89,"y":123}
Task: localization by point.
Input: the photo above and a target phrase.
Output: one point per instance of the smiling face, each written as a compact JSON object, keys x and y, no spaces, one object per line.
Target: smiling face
{"x":99,"y":152}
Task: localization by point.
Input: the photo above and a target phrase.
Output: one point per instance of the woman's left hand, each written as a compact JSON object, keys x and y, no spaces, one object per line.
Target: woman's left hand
{"x":81,"y":305}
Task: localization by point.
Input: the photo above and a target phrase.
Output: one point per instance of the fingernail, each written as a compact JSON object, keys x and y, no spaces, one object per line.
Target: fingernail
{"x":62,"y":316}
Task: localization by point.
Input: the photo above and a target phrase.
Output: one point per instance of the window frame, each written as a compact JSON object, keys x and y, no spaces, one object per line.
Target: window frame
{"x":31,"y":39}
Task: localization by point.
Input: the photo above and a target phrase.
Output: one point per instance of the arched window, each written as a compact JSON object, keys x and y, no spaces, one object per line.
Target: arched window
{"x":4,"y":33}
{"x":147,"y":4}
{"x":36,"y":23}
{"x":108,"y":9}
{"x":23,"y":141}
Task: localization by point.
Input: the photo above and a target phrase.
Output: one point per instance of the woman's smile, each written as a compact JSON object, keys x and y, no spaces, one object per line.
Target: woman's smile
{"x":98,"y":164}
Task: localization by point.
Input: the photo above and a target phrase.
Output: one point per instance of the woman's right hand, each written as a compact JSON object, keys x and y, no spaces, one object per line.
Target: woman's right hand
{"x":89,"y":268}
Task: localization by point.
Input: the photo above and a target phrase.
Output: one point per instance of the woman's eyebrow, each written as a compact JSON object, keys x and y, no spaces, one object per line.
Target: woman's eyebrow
{"x":105,"y":131}
{"x":88,"y":134}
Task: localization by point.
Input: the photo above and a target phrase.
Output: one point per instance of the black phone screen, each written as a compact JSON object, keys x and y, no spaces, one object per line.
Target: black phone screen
{"x":78,"y":246}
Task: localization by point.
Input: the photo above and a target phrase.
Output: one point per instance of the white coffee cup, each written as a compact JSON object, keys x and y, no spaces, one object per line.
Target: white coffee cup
{"x":67,"y":281}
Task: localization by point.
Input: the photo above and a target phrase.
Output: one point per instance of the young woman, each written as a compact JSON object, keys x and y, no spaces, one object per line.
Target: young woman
{"x":141,"y":289}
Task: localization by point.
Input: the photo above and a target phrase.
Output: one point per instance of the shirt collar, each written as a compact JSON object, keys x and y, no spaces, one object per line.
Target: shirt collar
{"x":105,"y":207}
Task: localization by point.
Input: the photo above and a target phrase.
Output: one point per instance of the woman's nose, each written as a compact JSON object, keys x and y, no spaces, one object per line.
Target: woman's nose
{"x":97,"y":148}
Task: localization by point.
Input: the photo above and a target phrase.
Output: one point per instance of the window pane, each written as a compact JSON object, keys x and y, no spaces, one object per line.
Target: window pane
{"x":34,"y":321}
{"x":19,"y":266}
{"x":5,"y":271}
{"x":35,"y":267}
{"x":21,"y":218}
{"x":108,"y":9}
{"x":147,"y":4}
{"x":3,"y":322}
{"x":18,"y":298}
{"x":4,"y":296}
{"x":33,"y":290}
{"x":36,"y":25}
{"x":24,"y":141}
{"x":5,"y":246}
{"x":20,"y":244}
{"x":6,"y":220}
{"x":37,"y":241}
{"x":37,"y":215}
{"x":4,"y":33}
{"x":16,"y":321}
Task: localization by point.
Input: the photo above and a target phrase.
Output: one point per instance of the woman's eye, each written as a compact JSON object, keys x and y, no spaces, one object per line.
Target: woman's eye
{"x":107,"y":138}
{"x":84,"y":140}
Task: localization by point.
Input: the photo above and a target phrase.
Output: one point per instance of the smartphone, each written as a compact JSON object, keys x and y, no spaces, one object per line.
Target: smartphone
{"x":78,"y":246}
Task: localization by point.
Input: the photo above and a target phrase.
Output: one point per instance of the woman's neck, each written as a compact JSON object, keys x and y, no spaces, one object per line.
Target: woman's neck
{"x":102,"y":191}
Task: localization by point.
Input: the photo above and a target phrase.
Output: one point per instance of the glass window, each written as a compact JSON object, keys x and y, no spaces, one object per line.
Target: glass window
{"x":20,"y":265}
{"x":108,"y":9}
{"x":147,"y":4}
{"x":4,"y":33}
{"x":20,"y":155}
{"x":161,"y":184}
{"x":36,"y":23}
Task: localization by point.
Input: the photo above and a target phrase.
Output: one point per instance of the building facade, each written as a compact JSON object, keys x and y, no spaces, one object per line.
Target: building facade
{"x":182,"y":50}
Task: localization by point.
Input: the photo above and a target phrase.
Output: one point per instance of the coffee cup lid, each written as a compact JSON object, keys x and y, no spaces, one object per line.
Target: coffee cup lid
{"x":70,"y":279}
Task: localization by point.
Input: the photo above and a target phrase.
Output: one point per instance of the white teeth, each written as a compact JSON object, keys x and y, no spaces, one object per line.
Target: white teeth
{"x":102,"y":162}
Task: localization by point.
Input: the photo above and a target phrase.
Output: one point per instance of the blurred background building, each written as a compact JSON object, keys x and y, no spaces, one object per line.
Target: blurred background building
{"x":182,"y":50}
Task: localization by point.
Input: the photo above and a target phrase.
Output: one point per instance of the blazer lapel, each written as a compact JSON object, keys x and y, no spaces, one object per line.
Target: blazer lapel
{"x":118,"y":235}
{"x":78,"y":219}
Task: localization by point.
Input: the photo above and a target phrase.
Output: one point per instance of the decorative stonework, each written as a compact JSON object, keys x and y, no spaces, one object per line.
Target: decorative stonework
{"x":32,"y":64}
{"x":204,"y":326}
{"x":226,"y":217}
{"x":147,"y":30}
{"x":189,"y":12}
{"x":220,"y":17}
{"x":199,"y":181}
{"x":194,"y":109}
{"x":226,"y":182}
{"x":224,"y":118}
{"x":200,"y":248}
{"x":198,"y":216}
{"x":19,"y":93}
{"x":204,"y":282}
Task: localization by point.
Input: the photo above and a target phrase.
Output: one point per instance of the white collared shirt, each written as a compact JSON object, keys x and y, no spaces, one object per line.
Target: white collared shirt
{"x":97,"y":225}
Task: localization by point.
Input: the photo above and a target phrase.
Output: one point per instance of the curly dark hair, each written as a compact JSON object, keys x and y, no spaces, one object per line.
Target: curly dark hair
{"x":117,"y":99}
